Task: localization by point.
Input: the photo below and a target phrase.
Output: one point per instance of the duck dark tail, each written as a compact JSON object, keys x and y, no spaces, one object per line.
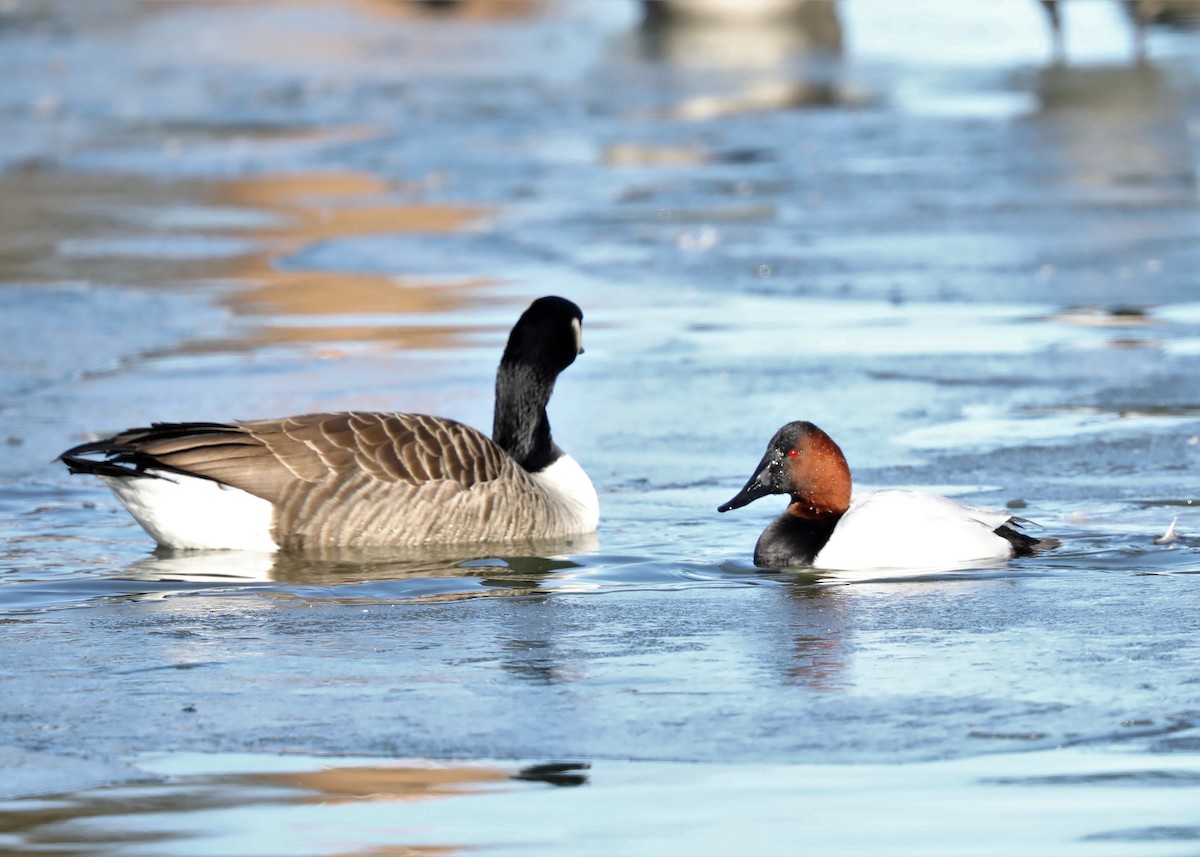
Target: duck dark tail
{"x":1023,"y":545}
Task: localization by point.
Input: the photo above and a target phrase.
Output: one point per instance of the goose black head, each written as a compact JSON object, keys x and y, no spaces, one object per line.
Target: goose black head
{"x":548,"y":336}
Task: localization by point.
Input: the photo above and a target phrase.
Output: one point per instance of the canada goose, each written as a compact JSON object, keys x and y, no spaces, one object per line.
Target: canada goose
{"x":330,"y":479}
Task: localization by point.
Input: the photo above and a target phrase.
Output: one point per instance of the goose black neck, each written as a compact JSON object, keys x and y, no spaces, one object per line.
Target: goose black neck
{"x":520,"y":425}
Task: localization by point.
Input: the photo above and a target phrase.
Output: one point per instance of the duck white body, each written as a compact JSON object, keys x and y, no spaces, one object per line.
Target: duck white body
{"x":893,"y":529}
{"x":364,"y":478}
{"x":904,"y":529}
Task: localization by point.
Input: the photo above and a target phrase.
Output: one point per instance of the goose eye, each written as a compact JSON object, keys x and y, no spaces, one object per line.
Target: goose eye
{"x":792,"y":453}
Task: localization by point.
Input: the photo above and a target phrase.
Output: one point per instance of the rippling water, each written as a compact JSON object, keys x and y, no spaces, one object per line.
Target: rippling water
{"x":974,"y":267}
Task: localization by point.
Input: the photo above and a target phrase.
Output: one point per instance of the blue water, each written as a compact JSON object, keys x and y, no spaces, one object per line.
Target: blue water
{"x":970,"y":264}
{"x":1061,"y":802}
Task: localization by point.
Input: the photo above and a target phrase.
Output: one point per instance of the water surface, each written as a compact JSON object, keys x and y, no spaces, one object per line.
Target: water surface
{"x":971,"y":265}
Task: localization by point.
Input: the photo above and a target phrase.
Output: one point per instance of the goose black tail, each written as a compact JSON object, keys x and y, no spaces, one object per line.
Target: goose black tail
{"x":120,"y":455}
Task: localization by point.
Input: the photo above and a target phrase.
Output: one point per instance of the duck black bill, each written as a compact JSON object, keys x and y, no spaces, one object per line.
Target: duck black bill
{"x":758,"y":486}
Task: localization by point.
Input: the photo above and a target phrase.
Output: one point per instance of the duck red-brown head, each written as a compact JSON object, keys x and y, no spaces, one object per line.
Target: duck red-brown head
{"x":805,"y":463}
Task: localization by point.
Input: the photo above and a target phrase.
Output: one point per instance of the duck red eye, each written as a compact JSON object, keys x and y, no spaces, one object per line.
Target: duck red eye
{"x":792,"y":453}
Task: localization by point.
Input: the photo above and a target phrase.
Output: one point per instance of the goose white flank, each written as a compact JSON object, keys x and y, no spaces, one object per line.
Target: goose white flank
{"x":352,"y":478}
{"x":891,"y":529}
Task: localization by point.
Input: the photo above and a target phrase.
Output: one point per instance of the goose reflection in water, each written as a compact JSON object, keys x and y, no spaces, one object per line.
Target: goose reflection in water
{"x":765,"y":56}
{"x":368,"y":574}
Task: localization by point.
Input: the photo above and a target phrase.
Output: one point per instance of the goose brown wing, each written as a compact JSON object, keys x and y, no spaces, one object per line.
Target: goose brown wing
{"x":387,"y":447}
{"x":395,"y":479}
{"x":268,"y":457}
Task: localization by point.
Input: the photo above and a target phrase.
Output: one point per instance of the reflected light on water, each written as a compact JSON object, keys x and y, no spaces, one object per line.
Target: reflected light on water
{"x":320,"y":207}
{"x":101,"y":228}
{"x":1062,"y":802}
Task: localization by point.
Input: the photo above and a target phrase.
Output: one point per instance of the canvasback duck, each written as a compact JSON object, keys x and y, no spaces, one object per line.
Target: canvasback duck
{"x":894,"y":528}
{"x":334,"y":479}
